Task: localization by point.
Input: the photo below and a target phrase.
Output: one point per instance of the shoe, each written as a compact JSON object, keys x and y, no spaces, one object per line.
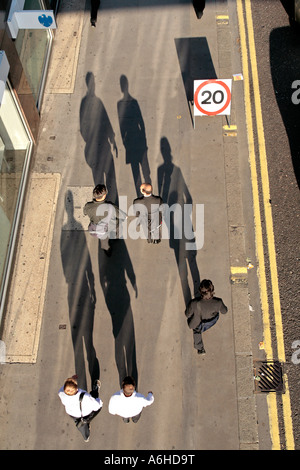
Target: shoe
{"x":93,"y":23}
{"x":201,"y":351}
{"x":97,"y":385}
{"x":156,"y":242}
{"x":88,"y":438}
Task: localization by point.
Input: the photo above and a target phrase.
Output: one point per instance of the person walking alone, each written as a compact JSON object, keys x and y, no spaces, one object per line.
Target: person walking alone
{"x":203,"y":312}
{"x":95,"y":4}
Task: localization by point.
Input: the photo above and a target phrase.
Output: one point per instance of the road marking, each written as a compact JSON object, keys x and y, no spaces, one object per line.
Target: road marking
{"x":257,"y":216}
{"x":269,"y":227}
{"x":272,"y":402}
{"x":238,"y":270}
{"x":222,"y":20}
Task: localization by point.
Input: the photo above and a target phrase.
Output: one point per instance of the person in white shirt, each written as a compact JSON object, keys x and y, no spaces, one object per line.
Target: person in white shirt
{"x":88,"y":407}
{"x":127,"y":403}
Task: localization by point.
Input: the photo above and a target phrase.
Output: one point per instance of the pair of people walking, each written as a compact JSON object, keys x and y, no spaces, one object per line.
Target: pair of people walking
{"x":106,"y":218}
{"x":83,"y":407}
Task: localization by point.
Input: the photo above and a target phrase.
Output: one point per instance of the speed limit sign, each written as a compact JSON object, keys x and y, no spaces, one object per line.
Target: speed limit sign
{"x":212,"y":97}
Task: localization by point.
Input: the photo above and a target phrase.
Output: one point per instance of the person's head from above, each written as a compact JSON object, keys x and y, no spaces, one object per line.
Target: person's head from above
{"x":99,"y":192}
{"x":146,"y":189}
{"x":128,"y":386}
{"x":70,"y":387}
{"x":206,"y":289}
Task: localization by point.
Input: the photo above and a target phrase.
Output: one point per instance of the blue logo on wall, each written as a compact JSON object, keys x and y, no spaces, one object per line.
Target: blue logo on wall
{"x":45,"y":20}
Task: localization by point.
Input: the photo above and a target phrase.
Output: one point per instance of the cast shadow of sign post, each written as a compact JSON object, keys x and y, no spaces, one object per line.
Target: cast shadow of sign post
{"x":195,"y":64}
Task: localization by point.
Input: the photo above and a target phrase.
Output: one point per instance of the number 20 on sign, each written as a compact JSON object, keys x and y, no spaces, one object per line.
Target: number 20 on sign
{"x":212,"y":97}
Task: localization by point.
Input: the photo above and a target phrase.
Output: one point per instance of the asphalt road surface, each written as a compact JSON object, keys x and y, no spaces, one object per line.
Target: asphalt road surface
{"x":278,"y":56}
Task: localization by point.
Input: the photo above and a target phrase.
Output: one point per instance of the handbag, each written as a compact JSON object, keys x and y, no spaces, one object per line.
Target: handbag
{"x":82,"y":421}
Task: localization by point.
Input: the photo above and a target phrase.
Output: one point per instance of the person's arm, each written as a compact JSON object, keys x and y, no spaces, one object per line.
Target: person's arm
{"x":189,"y":311}
{"x":223,"y":308}
{"x":149,"y":399}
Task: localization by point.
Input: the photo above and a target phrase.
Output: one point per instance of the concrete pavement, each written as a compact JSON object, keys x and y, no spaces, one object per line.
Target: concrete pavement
{"x":137,"y":321}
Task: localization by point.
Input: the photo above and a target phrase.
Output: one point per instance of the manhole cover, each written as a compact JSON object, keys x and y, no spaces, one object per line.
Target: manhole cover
{"x":268,"y":376}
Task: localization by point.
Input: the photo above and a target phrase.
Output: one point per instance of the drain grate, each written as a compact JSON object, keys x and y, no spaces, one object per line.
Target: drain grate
{"x":268,"y":376}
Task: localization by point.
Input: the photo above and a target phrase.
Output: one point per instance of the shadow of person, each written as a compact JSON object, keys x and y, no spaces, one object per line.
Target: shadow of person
{"x":133,"y":134}
{"x":99,"y":137}
{"x":174,"y":192}
{"x":79,"y":276}
{"x":112,"y":272}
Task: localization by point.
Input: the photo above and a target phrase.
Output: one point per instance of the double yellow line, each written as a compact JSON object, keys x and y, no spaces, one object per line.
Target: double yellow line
{"x":247,"y":41}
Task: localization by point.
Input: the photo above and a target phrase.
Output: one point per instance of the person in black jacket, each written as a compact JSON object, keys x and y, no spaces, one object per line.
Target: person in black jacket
{"x":149,"y":212}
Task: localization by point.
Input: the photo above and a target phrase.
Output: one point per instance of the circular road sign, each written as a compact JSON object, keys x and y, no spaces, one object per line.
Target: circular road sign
{"x":212,"y":97}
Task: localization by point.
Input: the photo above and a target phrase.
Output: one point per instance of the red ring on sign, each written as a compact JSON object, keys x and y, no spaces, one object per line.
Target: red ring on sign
{"x":210,"y":113}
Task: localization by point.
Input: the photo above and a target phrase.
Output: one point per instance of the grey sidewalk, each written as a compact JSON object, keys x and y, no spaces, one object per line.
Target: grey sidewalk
{"x":200,"y":402}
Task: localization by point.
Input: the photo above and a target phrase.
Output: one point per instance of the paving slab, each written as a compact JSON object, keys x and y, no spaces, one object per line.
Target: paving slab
{"x":25,"y":307}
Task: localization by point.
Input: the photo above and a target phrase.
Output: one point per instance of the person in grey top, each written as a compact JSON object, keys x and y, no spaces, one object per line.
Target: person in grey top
{"x":104,"y":217}
{"x":203,"y":312}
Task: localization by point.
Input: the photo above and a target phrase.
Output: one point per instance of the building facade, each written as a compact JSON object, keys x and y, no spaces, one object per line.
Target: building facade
{"x":23,"y":71}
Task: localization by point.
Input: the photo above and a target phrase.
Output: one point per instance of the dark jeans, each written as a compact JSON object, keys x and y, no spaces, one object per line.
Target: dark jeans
{"x":94,"y":9}
{"x":197,"y":332}
{"x":199,"y":4}
{"x":84,"y":428}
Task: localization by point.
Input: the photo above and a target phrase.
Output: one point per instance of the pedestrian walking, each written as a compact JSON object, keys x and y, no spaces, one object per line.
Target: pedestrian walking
{"x":128,"y":403}
{"x":104,"y":217}
{"x":203,"y":312}
{"x":199,"y":6}
{"x":148,"y":210}
{"x":95,"y":4}
{"x":82,"y":406}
